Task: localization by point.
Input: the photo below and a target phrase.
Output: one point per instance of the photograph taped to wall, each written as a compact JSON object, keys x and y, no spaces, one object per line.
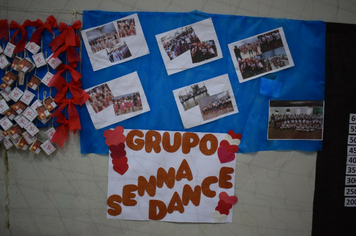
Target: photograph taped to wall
{"x":115,"y":42}
{"x":105,"y":99}
{"x":296,"y":120}
{"x":260,"y":55}
{"x":205,"y":101}
{"x":189,"y":46}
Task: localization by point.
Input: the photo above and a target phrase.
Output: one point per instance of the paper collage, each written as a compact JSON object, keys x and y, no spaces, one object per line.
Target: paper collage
{"x":189,"y":46}
{"x":171,"y":176}
{"x":115,"y":42}
{"x":116,"y":100}
{"x":206,"y":101}
{"x":260,"y":55}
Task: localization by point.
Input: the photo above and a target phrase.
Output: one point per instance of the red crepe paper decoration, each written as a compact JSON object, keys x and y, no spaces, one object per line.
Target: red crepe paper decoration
{"x":4,"y":30}
{"x":62,"y":132}
{"x":20,"y":46}
{"x":73,"y":116}
{"x":50,"y":23}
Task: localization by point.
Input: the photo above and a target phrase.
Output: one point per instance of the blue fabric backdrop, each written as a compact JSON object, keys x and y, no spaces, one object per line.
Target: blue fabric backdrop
{"x":304,"y":81}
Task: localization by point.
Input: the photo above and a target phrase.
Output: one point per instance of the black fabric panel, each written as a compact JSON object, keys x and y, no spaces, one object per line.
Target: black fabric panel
{"x":330,"y":217}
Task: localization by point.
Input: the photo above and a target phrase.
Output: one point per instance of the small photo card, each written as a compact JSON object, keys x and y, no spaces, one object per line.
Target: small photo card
{"x":34,"y":82}
{"x":36,"y":104}
{"x":36,"y":146}
{"x":3,"y":106}
{"x":296,"y":120}
{"x":15,"y":131}
{"x":48,"y":147}
{"x":189,"y":46}
{"x":9,"y":50}
{"x":19,"y":107}
{"x":31,"y":128}
{"x":53,"y":62}
{"x":42,"y":112}
{"x":11,"y":114}
{"x":50,"y":132}
{"x":49,"y":103}
{"x":28,"y":137}
{"x":105,"y":98}
{"x":27,"y":97}
{"x":39,"y":59}
{"x":21,"y":120}
{"x":22,"y":144}
{"x":47,"y":78}
{"x":115,"y":42}
{"x":9,"y":77}
{"x":15,"y":62}
{"x":5,"y":123}
{"x":16,"y":94}
{"x":25,"y":65}
{"x":30,"y":114}
{"x":205,"y":101}
{"x":260,"y":55}
{"x":32,"y":47}
{"x":4,"y":86}
{"x":4,"y":63}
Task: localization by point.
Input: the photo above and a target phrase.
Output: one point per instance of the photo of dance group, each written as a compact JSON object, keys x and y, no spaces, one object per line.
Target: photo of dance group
{"x":115,"y":42}
{"x":216,"y":105}
{"x":205,"y":101}
{"x":184,"y":39}
{"x":100,"y":97}
{"x":296,"y":120}
{"x":261,"y":54}
{"x":127,"y":103}
{"x":189,"y":46}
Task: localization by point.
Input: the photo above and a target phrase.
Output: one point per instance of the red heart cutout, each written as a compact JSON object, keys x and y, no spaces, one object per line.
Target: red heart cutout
{"x":117,"y":151}
{"x":233,"y":135}
{"x":120,"y":165}
{"x":228,"y":199}
{"x":229,"y":147}
{"x":223,"y":207}
{"x":115,"y":136}
{"x":224,"y":155}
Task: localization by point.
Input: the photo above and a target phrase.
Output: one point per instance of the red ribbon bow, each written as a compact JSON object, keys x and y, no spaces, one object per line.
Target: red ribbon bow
{"x":67,"y":36}
{"x":78,"y":94}
{"x":73,"y":116}
{"x":4,"y":30}
{"x":62,"y":132}
{"x":50,"y":23}
{"x":20,"y":47}
{"x":72,"y":54}
{"x":61,"y":69}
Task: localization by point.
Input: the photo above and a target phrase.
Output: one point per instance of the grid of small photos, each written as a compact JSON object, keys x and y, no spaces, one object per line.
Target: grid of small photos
{"x":350,"y":179}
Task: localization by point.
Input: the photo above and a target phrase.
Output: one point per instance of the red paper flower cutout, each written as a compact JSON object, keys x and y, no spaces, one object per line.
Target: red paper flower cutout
{"x":115,"y":136}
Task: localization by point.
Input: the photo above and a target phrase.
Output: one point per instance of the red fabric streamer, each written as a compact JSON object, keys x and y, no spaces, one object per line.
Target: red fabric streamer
{"x":62,"y":132}
{"x":50,"y":23}
{"x":20,"y":46}
{"x":71,"y":68}
{"x":67,"y":37}
{"x":78,"y":94}
{"x":4,"y":30}
{"x":73,"y":116}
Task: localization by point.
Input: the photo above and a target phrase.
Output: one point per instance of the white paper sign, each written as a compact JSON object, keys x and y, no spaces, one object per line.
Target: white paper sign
{"x":3,"y":106}
{"x":27,"y":97}
{"x":16,"y":94}
{"x":171,"y":176}
{"x":39,"y":60}
{"x":47,"y":78}
{"x":48,"y":147}
{"x":9,"y":50}
{"x":115,"y":42}
{"x":3,"y":62}
{"x":5,"y":123}
{"x":31,"y":128}
{"x":189,"y":46}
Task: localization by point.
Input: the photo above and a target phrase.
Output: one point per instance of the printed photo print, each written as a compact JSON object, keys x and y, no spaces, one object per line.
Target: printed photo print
{"x":296,"y":120}
{"x":127,"y":103}
{"x":116,"y":100}
{"x":126,"y":27}
{"x":100,"y":97}
{"x":115,"y":42}
{"x":205,"y":101}
{"x":261,"y":54}
{"x":189,"y":46}
{"x":215,"y":105}
{"x":189,"y":96}
{"x":103,"y":38}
